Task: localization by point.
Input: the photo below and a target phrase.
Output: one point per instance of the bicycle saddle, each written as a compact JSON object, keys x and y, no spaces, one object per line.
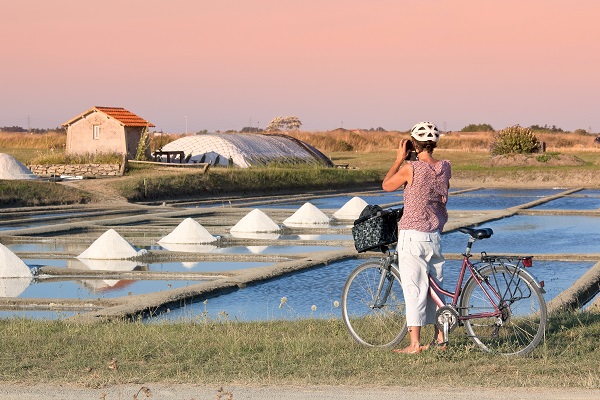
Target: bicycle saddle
{"x":482,"y":233}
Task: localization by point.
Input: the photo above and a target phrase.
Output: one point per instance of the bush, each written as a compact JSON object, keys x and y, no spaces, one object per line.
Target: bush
{"x":88,"y":158}
{"x":478,"y":128}
{"x":514,"y":140}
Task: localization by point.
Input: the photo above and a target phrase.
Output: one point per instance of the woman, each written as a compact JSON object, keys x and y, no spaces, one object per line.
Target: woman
{"x":426,"y":183}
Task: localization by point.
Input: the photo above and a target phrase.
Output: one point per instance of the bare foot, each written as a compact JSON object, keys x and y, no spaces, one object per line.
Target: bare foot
{"x":408,"y":350}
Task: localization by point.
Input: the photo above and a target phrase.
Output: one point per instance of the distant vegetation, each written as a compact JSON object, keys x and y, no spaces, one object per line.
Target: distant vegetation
{"x":18,"y":129}
{"x":49,"y":147}
{"x":513,"y":140}
{"x":478,"y":128}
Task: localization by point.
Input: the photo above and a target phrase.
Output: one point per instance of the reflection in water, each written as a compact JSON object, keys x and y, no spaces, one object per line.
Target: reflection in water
{"x":255,"y":235}
{"x":13,"y":287}
{"x":99,"y":285}
{"x":188,"y":248}
{"x":257,"y":249}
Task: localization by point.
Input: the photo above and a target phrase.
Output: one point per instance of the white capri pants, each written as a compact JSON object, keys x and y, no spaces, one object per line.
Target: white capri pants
{"x":419,"y":253}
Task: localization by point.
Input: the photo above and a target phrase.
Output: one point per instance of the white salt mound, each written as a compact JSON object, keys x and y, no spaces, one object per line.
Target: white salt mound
{"x":188,"y":231}
{"x":352,"y":209}
{"x":12,"y":266}
{"x":255,"y":221}
{"x":13,"y":169}
{"x":308,"y":214}
{"x":111,"y":246}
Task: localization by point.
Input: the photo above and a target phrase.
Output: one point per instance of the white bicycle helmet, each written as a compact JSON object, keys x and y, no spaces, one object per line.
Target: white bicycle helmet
{"x":425,"y":131}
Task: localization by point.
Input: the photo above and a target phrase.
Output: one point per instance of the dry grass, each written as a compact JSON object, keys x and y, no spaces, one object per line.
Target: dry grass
{"x":47,"y":141}
{"x":297,"y":352}
{"x":367,"y":141}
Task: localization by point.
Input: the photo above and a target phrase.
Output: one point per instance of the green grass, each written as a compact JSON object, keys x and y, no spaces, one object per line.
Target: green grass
{"x":150,"y":183}
{"x":144,"y":184}
{"x":23,"y":193}
{"x":299,"y":352}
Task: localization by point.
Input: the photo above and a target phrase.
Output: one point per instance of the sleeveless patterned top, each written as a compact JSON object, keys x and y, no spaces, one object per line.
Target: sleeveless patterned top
{"x":425,"y":199}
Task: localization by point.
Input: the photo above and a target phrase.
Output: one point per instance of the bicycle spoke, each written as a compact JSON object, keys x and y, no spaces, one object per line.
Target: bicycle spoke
{"x":521,"y":323}
{"x":374,"y":317}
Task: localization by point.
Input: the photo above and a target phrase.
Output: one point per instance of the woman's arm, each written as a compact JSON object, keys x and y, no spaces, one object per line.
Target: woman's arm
{"x":399,"y":174}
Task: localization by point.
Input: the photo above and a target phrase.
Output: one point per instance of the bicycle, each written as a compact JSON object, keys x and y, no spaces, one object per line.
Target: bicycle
{"x":501,"y":304}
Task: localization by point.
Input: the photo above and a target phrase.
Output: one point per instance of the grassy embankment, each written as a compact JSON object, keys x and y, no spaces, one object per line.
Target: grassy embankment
{"x":368,"y":155}
{"x":296,"y":352}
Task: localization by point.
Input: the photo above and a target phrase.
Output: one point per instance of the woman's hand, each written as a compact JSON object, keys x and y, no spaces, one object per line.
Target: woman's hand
{"x":402,"y":152}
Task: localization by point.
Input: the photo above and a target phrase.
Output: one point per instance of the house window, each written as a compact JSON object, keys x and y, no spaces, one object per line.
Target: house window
{"x":96,"y":132}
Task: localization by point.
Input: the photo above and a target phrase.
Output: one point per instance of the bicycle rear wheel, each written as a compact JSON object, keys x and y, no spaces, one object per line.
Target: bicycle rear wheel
{"x":373,"y":306}
{"x":522,"y":324}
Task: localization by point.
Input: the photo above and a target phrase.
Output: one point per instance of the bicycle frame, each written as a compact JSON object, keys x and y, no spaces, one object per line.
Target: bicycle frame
{"x":499,"y":303}
{"x":435,"y":290}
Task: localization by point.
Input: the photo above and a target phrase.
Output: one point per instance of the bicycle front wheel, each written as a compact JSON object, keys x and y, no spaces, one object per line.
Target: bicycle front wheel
{"x":373,"y":306}
{"x":522,"y":323}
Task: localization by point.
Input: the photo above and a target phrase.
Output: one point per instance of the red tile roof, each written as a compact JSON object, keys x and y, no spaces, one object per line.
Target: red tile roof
{"x":127,"y":118}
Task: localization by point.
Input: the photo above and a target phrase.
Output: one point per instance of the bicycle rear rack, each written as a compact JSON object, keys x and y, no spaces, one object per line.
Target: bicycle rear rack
{"x":524,"y":261}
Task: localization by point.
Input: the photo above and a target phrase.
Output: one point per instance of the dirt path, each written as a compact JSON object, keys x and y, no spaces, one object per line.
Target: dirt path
{"x":100,"y":189}
{"x":197,"y":392}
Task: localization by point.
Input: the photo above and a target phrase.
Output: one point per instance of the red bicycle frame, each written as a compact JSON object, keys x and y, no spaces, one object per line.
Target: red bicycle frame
{"x":435,"y":290}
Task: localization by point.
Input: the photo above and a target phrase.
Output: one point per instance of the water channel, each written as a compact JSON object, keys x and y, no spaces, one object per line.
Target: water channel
{"x":547,"y":228}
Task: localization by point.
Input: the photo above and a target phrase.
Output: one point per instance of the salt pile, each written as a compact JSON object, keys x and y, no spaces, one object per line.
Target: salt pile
{"x":12,"y":266}
{"x":13,"y":169}
{"x":111,"y":246}
{"x":15,"y":275}
{"x":255,"y":221}
{"x":308,"y":214}
{"x":189,"y":232}
{"x":352,"y":209}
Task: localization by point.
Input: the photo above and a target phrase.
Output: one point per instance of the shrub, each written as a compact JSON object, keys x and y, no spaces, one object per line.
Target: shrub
{"x":515,"y":139}
{"x":88,"y":158}
{"x":478,"y":128}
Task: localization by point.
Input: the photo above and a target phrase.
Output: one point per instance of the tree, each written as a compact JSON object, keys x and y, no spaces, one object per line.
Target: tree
{"x":284,"y":123}
{"x":250,"y":129}
{"x":478,"y":128}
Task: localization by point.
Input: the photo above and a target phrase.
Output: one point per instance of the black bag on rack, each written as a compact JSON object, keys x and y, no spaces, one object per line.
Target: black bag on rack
{"x":376,"y":228}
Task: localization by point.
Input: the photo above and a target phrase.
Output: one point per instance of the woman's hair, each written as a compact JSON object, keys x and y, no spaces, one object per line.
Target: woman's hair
{"x":428,"y":146}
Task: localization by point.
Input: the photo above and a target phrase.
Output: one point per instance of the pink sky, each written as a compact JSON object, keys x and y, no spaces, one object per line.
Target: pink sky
{"x":220,"y":65}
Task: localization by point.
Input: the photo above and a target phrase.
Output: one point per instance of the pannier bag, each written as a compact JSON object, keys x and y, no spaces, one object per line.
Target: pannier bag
{"x":375,"y":228}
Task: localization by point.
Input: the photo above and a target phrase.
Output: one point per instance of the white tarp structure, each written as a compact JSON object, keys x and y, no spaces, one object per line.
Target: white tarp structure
{"x":246,"y":149}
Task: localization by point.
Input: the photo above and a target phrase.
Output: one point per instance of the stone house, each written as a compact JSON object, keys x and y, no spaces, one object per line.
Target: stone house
{"x":106,"y":130}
